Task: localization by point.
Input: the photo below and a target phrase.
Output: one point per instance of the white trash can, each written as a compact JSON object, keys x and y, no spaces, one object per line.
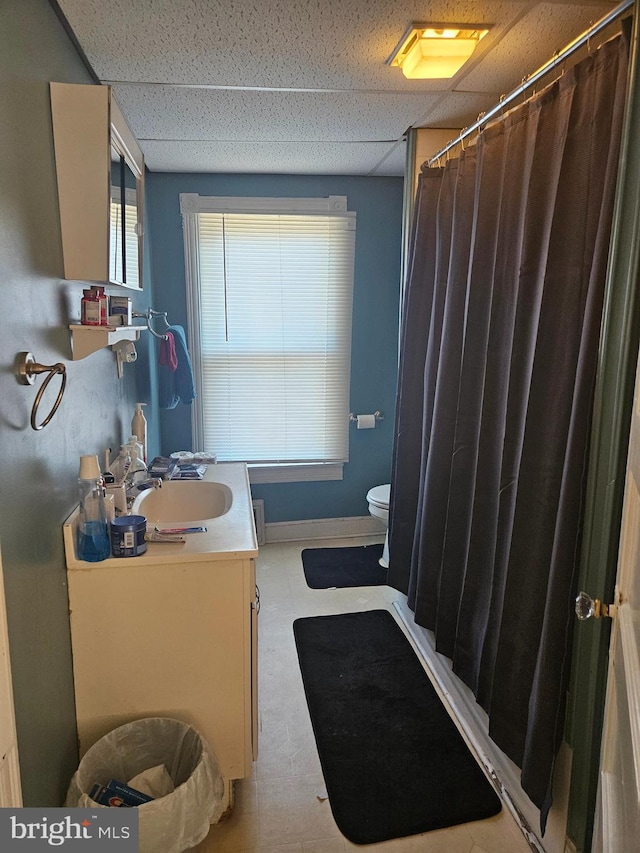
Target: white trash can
{"x":171,"y":823}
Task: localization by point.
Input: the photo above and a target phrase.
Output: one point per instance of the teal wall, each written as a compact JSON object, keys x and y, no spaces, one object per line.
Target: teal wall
{"x":38,"y":486}
{"x":378,"y":205}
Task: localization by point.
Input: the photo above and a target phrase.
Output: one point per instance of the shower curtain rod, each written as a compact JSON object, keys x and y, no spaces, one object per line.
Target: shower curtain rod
{"x":533,"y":78}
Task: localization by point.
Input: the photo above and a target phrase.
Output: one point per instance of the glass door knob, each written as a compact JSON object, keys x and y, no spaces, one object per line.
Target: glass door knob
{"x":586,"y":607}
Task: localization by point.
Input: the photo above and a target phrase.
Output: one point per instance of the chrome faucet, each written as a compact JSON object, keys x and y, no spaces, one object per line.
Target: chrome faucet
{"x":133,"y":488}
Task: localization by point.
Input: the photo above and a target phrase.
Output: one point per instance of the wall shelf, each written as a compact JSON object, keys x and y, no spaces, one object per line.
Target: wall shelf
{"x":89,"y":339}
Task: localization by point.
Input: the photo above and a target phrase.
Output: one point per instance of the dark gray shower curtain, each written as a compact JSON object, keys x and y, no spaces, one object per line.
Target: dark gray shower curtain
{"x":499,"y":354}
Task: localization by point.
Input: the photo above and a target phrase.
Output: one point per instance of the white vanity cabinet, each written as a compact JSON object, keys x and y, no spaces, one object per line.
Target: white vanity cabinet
{"x":100,"y":175}
{"x":172,"y":633}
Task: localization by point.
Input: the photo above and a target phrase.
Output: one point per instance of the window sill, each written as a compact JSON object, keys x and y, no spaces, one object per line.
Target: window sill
{"x":295,"y":473}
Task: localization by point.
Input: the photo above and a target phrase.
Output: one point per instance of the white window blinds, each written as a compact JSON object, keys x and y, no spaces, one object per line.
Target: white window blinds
{"x":271,"y":292}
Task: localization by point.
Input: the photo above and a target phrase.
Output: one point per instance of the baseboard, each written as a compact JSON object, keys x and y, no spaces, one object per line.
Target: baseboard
{"x":323,"y":528}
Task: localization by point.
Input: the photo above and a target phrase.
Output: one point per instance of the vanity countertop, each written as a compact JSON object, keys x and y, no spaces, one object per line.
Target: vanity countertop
{"x":231,"y":536}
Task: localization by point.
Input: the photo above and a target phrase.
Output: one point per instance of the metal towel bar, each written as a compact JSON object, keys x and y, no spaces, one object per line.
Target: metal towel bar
{"x":149,"y":315}
{"x":27,"y":368}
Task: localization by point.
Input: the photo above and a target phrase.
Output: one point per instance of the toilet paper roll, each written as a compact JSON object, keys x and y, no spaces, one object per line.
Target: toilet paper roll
{"x":366,"y":421}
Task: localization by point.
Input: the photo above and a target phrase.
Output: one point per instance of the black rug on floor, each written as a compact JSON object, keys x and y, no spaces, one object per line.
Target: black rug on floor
{"x":393,"y":761}
{"x":333,"y":568}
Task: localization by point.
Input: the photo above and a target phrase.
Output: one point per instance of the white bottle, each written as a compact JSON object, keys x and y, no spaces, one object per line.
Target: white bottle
{"x":139,"y":428}
{"x":138,"y":469}
{"x":121,"y":464}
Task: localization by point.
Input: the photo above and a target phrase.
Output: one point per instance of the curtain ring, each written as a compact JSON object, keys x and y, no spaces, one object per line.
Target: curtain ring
{"x":26,"y":370}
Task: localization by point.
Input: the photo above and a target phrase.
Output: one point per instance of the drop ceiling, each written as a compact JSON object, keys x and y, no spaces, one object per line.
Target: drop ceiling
{"x":301,"y":86}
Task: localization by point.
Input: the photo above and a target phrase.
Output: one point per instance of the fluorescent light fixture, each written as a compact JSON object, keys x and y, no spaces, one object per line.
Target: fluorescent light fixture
{"x":436,"y":51}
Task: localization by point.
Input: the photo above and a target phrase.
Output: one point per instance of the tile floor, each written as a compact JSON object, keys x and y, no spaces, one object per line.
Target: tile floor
{"x":283,"y":808}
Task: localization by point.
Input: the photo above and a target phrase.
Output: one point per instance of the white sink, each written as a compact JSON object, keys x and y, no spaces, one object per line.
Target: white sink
{"x":183,"y":502}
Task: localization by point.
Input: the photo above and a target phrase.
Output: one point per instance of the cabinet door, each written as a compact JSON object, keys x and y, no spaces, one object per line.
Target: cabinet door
{"x":100,"y":172}
{"x":165,"y":640}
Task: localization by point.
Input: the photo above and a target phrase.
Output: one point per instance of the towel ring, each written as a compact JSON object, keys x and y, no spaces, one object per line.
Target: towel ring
{"x":27,"y":368}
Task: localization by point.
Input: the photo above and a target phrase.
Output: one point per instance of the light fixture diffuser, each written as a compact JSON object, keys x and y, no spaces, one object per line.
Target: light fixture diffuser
{"x":436,"y":51}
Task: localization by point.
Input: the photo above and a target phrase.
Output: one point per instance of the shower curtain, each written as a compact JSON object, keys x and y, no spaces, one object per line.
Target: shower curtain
{"x":500,"y":334}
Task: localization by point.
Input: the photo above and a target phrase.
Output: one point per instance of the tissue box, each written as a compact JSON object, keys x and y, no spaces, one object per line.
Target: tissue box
{"x":120,"y":312}
{"x":118,"y":795}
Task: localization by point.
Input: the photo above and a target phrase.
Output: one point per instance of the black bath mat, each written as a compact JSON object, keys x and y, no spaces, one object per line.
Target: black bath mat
{"x":333,"y":568}
{"x":393,"y":761}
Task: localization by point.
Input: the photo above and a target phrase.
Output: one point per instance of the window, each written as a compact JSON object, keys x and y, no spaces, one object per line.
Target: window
{"x":270,"y":292}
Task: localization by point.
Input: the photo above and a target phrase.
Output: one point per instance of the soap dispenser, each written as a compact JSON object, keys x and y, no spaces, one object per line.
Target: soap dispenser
{"x":92,"y":534}
{"x":139,"y":428}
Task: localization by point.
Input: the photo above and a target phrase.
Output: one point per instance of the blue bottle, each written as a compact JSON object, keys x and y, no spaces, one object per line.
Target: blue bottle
{"x":93,"y":534}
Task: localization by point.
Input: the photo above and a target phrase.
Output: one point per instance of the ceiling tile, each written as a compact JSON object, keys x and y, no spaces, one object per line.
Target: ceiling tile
{"x":547,"y":28}
{"x":393,"y":162}
{"x":269,"y":43}
{"x":165,"y":112}
{"x":458,"y":109}
{"x":349,"y":158}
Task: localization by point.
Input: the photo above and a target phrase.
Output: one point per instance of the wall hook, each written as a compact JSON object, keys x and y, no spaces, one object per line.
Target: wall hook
{"x":27,"y":368}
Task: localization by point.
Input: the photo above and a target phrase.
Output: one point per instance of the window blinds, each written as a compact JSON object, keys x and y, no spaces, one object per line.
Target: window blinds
{"x":275,"y":335}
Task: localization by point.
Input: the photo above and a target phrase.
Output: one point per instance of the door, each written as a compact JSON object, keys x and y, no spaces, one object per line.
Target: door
{"x":617,"y":819}
{"x":10,"y":790}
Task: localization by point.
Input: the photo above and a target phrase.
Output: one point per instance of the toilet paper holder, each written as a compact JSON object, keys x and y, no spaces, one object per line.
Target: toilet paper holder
{"x":353,"y":419}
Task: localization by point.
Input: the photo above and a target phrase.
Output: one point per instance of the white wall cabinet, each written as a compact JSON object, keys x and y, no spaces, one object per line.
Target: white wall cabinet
{"x":100,"y":174}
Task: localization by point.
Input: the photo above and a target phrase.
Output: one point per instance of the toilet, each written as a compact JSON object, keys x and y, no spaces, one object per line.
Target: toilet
{"x":378,"y":498}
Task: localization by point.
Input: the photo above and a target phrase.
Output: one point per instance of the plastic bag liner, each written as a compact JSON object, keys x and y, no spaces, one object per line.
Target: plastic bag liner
{"x":169,"y":824}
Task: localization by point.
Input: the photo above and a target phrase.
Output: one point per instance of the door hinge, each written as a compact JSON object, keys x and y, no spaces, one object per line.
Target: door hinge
{"x":587,"y":607}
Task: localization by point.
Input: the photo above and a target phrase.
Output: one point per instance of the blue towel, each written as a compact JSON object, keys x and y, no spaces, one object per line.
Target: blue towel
{"x":176,"y":386}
